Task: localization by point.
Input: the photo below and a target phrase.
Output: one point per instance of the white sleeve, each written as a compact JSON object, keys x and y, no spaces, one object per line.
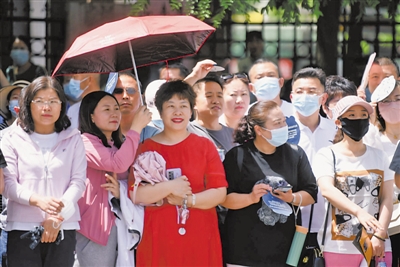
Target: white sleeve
{"x":322,"y":164}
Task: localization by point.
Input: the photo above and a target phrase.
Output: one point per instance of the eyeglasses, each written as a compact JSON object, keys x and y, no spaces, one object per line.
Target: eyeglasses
{"x":51,"y":103}
{"x":388,"y":102}
{"x":240,"y":75}
{"x":128,"y":90}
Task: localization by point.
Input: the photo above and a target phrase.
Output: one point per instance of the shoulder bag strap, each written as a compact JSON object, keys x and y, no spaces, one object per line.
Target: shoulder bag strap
{"x":329,"y":204}
{"x":239,"y":157}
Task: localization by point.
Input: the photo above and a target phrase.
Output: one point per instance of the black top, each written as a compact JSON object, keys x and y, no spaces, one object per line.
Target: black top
{"x":29,"y":75}
{"x":248,"y":241}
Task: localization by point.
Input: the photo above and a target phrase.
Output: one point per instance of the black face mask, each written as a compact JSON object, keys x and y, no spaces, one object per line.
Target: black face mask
{"x":355,"y":129}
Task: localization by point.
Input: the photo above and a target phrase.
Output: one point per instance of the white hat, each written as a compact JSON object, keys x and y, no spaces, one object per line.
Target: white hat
{"x":384,"y":89}
{"x":150,"y":95}
{"x":347,"y":102}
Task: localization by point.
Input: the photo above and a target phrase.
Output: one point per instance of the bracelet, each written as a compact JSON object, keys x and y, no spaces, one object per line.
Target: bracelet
{"x":193,"y":200}
{"x":379,"y":237}
{"x":294,"y":199}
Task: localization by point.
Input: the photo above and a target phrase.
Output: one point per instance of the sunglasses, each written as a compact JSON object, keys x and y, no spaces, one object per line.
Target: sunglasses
{"x":239,"y":75}
{"x":129,"y":91}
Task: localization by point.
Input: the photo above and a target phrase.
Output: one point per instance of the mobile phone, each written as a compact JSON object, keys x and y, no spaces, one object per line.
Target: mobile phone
{"x":174,"y":173}
{"x":283,"y":188}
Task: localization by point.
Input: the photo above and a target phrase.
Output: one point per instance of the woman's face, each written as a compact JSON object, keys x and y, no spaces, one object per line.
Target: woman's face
{"x":107,"y":116}
{"x":20,"y":53}
{"x":275,"y":120}
{"x":236,"y":99}
{"x":176,"y":113}
{"x":45,"y":110}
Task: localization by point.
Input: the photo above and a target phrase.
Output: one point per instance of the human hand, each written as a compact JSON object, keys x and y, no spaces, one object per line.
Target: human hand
{"x":378,"y":247}
{"x":200,"y":71}
{"x":285,"y":196}
{"x":50,"y":205}
{"x":112,"y":184}
{"x":180,"y":187}
{"x":51,"y":228}
{"x":361,"y":93}
{"x":258,"y":191}
{"x":367,"y":220}
{"x":141,"y":118}
{"x":175,"y":200}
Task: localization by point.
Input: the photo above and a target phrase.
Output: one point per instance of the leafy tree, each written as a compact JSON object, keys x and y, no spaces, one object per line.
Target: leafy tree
{"x":326,"y":11}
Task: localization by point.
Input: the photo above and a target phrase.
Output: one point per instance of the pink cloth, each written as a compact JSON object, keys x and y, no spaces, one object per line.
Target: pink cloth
{"x":149,"y":167}
{"x":97,"y":218}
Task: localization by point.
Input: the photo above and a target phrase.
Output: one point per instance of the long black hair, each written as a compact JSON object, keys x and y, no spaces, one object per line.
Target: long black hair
{"x":86,"y":125}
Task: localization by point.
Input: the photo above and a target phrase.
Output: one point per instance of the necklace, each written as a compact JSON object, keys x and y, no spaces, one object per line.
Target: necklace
{"x":395,"y":136}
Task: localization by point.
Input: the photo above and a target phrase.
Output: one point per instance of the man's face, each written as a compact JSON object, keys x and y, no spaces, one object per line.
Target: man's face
{"x":262,"y":70}
{"x":209,"y":101}
{"x":376,"y":75}
{"x":127,"y":93}
{"x":171,"y":74}
{"x":255,"y":47}
{"x":390,"y":70}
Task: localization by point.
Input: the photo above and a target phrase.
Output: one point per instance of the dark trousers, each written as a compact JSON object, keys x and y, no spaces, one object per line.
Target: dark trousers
{"x":44,"y":255}
{"x":395,"y":240}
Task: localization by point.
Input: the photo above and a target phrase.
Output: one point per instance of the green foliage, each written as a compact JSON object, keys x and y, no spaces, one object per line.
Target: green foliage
{"x":287,"y":10}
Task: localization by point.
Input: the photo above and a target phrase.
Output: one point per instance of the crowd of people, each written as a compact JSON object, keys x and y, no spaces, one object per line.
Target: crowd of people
{"x":191,"y":178}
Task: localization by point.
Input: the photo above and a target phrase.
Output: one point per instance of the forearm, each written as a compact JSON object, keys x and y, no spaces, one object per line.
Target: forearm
{"x":235,"y":201}
{"x":397,"y":180}
{"x":191,"y":79}
{"x":208,"y":199}
{"x":338,"y":199}
{"x":149,"y":194}
{"x":303,"y":196}
{"x":385,"y":208}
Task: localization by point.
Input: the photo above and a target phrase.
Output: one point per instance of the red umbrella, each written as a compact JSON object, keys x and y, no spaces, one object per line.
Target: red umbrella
{"x":134,"y":41}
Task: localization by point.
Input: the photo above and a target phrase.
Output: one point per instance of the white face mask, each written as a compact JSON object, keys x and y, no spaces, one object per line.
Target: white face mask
{"x":305,"y":104}
{"x":267,"y":88}
{"x":278,"y":136}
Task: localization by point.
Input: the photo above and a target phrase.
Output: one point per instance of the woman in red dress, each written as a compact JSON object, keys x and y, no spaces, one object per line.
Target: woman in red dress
{"x":184,"y":230}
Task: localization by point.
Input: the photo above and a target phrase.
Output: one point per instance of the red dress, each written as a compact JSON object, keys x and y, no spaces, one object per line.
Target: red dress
{"x":162,"y":245}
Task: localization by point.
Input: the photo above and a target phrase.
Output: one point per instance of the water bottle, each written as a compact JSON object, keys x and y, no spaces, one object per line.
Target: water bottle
{"x":297,"y":246}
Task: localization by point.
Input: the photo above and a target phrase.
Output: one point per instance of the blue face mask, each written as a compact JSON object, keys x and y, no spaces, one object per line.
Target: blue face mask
{"x":267,"y":88}
{"x":73,"y":89}
{"x":11,"y":105}
{"x":305,"y":104}
{"x":278,"y":136}
{"x":19,"y":56}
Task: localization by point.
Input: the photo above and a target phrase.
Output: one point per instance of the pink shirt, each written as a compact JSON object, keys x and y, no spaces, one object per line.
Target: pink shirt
{"x":96,"y":216}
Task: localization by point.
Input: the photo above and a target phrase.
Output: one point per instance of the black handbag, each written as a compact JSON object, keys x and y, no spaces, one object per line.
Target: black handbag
{"x":312,"y":254}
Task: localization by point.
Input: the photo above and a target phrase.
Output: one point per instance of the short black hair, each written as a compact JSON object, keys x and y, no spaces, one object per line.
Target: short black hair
{"x":180,"y":88}
{"x":25,"y":114}
{"x":310,"y":73}
{"x":207,"y":79}
{"x":253,"y":35}
{"x":183,"y":71}
{"x":338,"y":85}
{"x":86,"y":125}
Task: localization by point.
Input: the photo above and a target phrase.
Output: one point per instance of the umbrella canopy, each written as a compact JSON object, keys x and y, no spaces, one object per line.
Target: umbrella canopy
{"x":152,"y":39}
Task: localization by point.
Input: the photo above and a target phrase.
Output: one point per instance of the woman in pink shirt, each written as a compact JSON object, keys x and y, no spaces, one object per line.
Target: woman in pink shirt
{"x":106,"y":153}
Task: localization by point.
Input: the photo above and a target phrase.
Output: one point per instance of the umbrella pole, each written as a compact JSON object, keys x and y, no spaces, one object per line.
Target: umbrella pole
{"x":136,"y":74}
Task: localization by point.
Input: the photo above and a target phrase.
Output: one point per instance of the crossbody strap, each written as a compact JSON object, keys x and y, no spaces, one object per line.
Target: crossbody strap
{"x":329,"y":204}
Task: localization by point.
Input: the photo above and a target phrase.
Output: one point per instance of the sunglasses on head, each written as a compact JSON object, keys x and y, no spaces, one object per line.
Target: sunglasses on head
{"x":228,"y":77}
{"x":129,"y":91}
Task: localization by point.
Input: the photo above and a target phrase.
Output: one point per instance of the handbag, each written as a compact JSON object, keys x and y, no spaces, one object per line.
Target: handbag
{"x":394,"y":225}
{"x":312,"y":255}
